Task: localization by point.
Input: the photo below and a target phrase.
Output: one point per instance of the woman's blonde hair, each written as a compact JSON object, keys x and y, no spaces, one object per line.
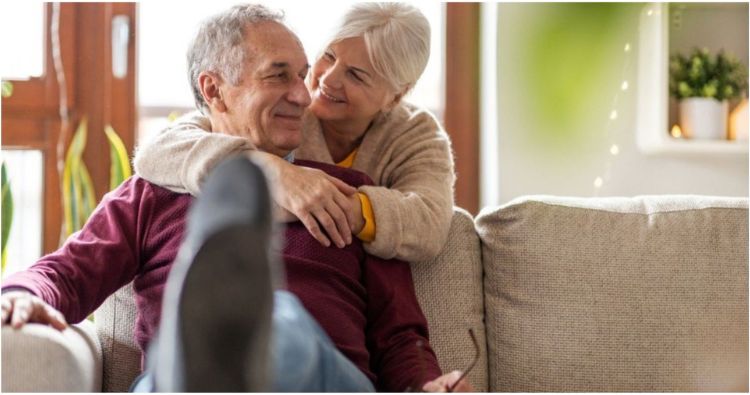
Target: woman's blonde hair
{"x":397,"y":37}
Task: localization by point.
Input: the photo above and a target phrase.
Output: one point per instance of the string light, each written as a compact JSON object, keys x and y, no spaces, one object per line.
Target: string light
{"x":614,"y":149}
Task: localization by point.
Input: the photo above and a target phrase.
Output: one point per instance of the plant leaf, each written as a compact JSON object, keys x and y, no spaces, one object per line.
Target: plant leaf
{"x":79,"y":198}
{"x":7,"y":89}
{"x":120,"y":162}
{"x":7,"y":215}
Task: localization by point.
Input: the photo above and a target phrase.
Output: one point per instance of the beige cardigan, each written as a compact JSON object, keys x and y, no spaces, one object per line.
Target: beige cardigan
{"x":406,"y":153}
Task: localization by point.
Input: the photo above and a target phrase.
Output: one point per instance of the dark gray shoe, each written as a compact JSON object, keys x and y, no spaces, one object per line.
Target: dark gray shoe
{"x":216,"y":316}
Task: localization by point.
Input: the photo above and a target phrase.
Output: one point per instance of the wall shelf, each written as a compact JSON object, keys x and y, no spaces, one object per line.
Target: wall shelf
{"x":656,"y":111}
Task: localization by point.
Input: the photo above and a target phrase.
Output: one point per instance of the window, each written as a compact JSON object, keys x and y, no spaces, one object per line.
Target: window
{"x":163,"y":86}
{"x":26,"y":184}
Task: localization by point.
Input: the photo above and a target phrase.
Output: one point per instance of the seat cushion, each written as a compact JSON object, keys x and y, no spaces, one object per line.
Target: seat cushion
{"x":642,"y":294}
{"x":449,"y":289}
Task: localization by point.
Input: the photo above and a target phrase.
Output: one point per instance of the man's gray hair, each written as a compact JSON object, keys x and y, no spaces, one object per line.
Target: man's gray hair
{"x":219,"y":45}
{"x":397,"y":37}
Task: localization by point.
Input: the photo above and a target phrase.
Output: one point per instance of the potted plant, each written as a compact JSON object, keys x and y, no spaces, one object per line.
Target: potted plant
{"x":704,"y":84}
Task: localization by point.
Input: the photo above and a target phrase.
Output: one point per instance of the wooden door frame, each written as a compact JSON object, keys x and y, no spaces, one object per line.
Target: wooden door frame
{"x":461,"y":115}
{"x":31,"y":116}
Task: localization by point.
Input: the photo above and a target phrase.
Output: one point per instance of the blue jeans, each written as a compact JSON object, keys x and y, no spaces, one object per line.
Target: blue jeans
{"x":304,"y":358}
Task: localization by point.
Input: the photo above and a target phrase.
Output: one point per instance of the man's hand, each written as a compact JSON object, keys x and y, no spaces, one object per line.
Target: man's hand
{"x":20,"y":307}
{"x":314,"y":197}
{"x":442,"y":383}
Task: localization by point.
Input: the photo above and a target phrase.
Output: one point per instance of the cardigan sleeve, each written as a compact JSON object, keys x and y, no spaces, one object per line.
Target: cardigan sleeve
{"x":94,"y":262}
{"x":413,"y":205}
{"x":180,"y":157}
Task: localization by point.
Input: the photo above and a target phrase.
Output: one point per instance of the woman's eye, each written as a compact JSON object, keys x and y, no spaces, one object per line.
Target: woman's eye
{"x":356,"y":76}
{"x":328,"y":56}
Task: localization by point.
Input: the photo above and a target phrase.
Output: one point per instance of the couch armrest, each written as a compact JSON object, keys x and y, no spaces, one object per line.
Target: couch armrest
{"x":38,"y":358}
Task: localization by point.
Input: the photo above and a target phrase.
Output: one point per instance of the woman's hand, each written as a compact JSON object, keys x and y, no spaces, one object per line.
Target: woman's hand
{"x":314,"y":197}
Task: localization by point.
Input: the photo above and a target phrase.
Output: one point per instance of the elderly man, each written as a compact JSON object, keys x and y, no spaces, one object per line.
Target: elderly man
{"x":247,"y":72}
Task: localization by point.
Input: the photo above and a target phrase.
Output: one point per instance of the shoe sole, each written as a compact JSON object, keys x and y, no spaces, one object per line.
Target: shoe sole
{"x":224,"y":329}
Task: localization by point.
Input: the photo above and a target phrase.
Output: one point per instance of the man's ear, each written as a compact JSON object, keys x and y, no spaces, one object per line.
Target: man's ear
{"x":210,"y":85}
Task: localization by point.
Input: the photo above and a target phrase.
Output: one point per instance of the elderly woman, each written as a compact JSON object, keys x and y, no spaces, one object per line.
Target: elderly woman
{"x":357,"y":119}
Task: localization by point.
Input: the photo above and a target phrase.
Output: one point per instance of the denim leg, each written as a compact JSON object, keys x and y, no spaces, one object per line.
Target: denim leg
{"x":143,"y":383}
{"x":305,"y":358}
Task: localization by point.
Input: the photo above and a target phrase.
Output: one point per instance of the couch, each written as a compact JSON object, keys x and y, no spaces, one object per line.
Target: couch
{"x":564,"y":294}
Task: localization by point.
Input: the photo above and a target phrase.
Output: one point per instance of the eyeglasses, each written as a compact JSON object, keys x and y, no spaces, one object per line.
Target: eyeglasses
{"x":420,"y":357}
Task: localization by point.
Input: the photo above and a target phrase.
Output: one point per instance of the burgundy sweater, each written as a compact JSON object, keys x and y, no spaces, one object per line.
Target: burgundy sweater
{"x":365,"y":304}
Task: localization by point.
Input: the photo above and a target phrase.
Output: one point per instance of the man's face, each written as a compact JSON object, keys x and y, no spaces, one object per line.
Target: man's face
{"x":268,"y":103}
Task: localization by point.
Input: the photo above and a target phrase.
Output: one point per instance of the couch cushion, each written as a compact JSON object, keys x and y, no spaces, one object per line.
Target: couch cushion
{"x":38,"y":358}
{"x":614,"y":294}
{"x":449,"y":289}
{"x":115,"y":320}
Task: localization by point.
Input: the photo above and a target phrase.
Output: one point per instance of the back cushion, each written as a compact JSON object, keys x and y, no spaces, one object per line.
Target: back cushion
{"x":115,"y":321}
{"x":449,"y":289}
{"x":644,"y":294}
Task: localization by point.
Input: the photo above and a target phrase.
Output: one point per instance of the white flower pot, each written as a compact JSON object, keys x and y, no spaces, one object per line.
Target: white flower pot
{"x":704,"y":118}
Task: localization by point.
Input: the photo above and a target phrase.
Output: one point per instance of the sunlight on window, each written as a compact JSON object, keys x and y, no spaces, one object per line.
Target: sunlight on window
{"x":163,"y":84}
{"x":22,"y":59}
{"x":25,"y":237}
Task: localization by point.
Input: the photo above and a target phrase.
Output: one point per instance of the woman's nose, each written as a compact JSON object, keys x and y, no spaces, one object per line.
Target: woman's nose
{"x":331,"y":78}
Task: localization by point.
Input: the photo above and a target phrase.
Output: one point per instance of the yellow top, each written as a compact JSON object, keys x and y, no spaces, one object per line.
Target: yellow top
{"x":368,"y":231}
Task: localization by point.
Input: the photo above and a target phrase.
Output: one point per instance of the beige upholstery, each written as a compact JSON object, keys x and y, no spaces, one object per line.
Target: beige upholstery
{"x":615,"y":294}
{"x":37,"y":358}
{"x":644,"y":294}
{"x":115,"y":319}
{"x":449,"y":289}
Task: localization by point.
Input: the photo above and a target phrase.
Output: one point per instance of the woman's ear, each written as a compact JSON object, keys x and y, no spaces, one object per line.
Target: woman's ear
{"x":397,"y":99}
{"x":210,"y":85}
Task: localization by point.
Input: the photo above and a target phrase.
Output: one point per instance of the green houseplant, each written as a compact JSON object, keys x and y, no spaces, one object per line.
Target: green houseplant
{"x":704,"y":83}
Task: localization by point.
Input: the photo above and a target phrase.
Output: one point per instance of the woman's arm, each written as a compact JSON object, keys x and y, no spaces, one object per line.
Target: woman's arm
{"x":180,"y":157}
{"x":414,"y":206}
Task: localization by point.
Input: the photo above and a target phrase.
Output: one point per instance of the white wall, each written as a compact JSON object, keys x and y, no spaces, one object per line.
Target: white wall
{"x":536,"y":158}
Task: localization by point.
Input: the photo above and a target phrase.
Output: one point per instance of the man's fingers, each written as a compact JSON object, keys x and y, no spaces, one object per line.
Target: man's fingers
{"x":327,"y":222}
{"x":21,"y":312}
{"x":312,"y":226}
{"x":7,"y":306}
{"x":53,"y":317}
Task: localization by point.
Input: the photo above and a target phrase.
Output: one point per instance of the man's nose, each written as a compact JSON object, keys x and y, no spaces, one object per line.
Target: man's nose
{"x":299,"y":94}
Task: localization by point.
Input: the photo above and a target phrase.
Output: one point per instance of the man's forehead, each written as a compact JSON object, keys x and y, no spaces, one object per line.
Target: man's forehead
{"x":269,"y":39}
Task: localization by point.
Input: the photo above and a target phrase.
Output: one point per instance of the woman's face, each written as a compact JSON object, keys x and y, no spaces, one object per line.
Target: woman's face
{"x":345,"y":88}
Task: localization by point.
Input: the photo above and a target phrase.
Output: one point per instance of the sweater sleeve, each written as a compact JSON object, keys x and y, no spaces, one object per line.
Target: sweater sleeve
{"x":93,"y":263}
{"x":413,"y":204}
{"x":395,"y":326}
{"x":179,"y":157}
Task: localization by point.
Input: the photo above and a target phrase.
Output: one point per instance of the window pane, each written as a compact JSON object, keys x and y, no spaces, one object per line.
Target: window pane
{"x":162,"y":81}
{"x":22,"y":59}
{"x":25,"y":237}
